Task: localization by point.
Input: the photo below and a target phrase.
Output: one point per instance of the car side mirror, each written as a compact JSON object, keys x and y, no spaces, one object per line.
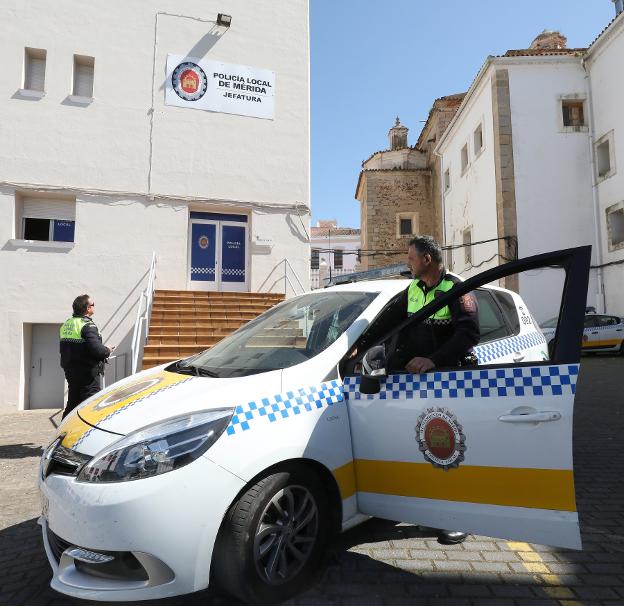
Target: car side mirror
{"x":373,"y":370}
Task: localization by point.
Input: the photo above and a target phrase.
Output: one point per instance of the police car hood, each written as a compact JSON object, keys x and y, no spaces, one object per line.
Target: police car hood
{"x":156,"y":395}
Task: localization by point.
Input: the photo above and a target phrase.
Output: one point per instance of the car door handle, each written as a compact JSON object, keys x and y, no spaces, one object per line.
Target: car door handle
{"x":619,"y":329}
{"x":518,"y":357}
{"x":534,"y":417}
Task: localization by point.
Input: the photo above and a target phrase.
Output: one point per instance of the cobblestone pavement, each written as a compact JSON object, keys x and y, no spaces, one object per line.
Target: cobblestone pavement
{"x":383,"y":563}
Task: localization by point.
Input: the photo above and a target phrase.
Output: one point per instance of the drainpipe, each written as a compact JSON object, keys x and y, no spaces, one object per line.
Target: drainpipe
{"x":442,"y":197}
{"x":601,"y":302}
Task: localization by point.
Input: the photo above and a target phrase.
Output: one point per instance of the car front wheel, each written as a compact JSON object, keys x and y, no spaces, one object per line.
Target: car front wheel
{"x":273,"y":538}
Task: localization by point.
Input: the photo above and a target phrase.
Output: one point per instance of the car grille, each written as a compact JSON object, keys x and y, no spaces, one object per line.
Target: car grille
{"x":66,"y":462}
{"x":57,"y":545}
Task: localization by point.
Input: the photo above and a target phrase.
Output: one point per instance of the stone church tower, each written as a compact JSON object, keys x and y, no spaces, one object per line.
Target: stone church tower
{"x":398,"y":190}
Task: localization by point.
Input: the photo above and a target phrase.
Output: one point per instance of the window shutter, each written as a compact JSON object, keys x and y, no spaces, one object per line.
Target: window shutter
{"x":41,"y":208}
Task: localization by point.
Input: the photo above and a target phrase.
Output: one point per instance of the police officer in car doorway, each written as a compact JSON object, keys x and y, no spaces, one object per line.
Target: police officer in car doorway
{"x":82,"y":353}
{"x":447,"y":337}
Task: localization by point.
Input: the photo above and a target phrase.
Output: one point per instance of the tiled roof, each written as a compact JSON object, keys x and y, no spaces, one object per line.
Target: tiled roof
{"x":540,"y":52}
{"x":602,"y":32}
{"x":455,"y":97}
{"x":335,"y":231}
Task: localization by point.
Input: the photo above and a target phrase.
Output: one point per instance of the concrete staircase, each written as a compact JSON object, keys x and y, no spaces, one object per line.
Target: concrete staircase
{"x":185,"y":322}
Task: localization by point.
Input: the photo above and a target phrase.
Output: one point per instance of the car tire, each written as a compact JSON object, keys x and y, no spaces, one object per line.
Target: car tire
{"x":273,"y":538}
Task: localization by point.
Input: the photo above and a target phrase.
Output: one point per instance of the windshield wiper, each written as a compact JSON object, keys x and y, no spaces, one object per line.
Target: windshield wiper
{"x":204,"y":372}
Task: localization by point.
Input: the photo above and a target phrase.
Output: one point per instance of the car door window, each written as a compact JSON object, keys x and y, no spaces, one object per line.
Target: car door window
{"x":590,"y":321}
{"x":491,"y":321}
{"x":508,"y":306}
{"x":607,"y":321}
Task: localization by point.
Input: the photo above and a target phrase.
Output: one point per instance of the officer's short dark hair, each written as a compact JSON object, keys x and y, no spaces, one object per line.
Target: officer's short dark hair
{"x":80,"y":305}
{"x":427,"y":245}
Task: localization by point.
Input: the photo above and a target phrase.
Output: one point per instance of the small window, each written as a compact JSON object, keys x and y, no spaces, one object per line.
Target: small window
{"x":573,"y":112}
{"x":467,"y":242}
{"x":615,"y":227}
{"x":603,"y":158}
{"x":34,"y":69}
{"x":406,"y":224}
{"x":48,"y":230}
{"x":464,"y":158}
{"x":405,"y":227}
{"x":478,"y":139}
{"x":338,"y":258}
{"x":83,"y":76}
{"x":447,"y":179}
{"x":314,"y":260}
{"x":590,"y":321}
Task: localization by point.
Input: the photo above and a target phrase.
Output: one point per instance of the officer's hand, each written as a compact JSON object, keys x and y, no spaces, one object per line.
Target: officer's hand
{"x":111,"y":347}
{"x":419,"y":365}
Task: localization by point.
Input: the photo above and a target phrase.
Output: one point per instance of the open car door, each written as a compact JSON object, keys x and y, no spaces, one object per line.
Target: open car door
{"x":484,"y":449}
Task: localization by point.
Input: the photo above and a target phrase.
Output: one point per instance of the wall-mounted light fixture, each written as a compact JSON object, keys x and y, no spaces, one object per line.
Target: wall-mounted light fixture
{"x":224,"y":20}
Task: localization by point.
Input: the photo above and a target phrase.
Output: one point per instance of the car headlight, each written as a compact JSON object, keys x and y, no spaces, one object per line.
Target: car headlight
{"x":157,"y":448}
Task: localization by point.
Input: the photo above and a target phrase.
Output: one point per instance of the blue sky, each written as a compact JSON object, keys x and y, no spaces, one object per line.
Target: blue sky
{"x":372,"y":61}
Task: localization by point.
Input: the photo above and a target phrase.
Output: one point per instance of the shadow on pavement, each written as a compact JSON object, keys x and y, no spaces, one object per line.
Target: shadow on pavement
{"x":20,"y":451}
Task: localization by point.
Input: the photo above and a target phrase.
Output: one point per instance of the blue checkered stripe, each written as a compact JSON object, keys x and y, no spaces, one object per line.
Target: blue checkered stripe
{"x":488,"y":352}
{"x":285,"y":406}
{"x":202,"y":271}
{"x":496,"y":382}
{"x":229,"y":271}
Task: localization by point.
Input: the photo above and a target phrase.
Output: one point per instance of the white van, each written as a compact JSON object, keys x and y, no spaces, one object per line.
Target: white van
{"x":234,"y":467}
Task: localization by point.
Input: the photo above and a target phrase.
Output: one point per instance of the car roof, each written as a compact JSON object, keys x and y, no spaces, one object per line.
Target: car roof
{"x":391,"y":287}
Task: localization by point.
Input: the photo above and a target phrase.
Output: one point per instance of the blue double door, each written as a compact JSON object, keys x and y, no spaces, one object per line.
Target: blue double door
{"x":218,"y":252}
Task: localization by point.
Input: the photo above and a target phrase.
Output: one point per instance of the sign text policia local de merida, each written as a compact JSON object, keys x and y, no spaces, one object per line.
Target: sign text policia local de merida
{"x":220,"y":87}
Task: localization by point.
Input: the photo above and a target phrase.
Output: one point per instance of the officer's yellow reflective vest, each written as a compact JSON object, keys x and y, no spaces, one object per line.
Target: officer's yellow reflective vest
{"x":417,"y":299}
{"x":71,"y":330}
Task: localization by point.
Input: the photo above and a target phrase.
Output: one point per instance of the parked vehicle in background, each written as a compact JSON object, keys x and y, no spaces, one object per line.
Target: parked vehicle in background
{"x":601,"y":332}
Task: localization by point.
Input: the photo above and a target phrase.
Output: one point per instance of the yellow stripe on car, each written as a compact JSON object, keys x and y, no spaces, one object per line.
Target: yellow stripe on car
{"x":507,"y":486}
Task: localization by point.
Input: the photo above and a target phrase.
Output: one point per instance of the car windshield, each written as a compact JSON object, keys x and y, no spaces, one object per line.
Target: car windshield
{"x":288,"y":334}
{"x":552,"y":323}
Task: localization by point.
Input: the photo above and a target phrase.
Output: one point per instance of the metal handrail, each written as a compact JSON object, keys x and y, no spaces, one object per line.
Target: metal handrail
{"x":287,"y":279}
{"x":143,"y":314}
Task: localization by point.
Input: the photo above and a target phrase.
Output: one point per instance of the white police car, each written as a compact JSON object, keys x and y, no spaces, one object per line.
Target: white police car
{"x":601,"y":332}
{"x":233,"y":468}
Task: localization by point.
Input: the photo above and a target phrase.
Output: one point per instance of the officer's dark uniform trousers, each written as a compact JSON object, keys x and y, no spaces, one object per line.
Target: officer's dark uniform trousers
{"x":82,"y":359}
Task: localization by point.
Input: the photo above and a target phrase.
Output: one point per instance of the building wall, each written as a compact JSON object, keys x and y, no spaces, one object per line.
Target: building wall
{"x":552,"y":173}
{"x":607,"y":91}
{"x":135,"y":167}
{"x":387,"y":193}
{"x":470,"y":202}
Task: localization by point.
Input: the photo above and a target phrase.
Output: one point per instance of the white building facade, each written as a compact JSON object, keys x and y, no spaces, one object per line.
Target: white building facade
{"x":518,"y":172}
{"x":334,"y":251}
{"x":99,"y":169}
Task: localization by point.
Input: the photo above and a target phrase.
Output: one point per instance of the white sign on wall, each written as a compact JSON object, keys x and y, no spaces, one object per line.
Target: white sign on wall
{"x":220,"y":87}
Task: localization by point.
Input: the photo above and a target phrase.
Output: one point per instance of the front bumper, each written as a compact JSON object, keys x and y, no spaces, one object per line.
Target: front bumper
{"x":168,"y":524}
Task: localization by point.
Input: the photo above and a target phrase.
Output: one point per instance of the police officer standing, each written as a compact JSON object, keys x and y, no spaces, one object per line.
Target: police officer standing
{"x":82,"y":353}
{"x":447,"y":337}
